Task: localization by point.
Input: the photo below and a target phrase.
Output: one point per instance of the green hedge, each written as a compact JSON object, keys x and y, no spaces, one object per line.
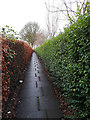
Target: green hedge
{"x":67,"y":59}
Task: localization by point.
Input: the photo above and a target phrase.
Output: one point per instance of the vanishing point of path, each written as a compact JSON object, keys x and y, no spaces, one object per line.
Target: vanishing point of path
{"x":36,"y":98}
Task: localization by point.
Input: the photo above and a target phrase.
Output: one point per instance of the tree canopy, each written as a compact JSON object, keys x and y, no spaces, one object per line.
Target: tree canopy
{"x":29,"y":32}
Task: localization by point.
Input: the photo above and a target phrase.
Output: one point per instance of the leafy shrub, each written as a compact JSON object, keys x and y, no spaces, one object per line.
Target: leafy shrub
{"x":15,"y":57}
{"x":67,"y":59}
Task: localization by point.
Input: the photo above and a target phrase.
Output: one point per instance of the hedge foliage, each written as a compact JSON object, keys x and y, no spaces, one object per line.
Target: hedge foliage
{"x":15,"y":57}
{"x":67,"y":59}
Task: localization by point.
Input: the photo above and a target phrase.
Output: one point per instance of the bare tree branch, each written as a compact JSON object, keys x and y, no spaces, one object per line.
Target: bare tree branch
{"x":58,"y":9}
{"x":67,"y":9}
{"x":64,"y":9}
{"x":29,"y":31}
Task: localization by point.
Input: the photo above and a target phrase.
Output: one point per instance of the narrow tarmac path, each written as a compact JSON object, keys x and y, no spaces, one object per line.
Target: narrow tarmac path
{"x":36,"y":98}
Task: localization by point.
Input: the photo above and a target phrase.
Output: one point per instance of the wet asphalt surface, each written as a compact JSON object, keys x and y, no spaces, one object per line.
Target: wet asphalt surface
{"x":36,"y":97}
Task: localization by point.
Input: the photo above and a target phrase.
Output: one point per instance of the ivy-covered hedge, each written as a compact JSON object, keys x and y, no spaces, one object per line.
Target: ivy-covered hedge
{"x":67,"y":59}
{"x":15,"y":57}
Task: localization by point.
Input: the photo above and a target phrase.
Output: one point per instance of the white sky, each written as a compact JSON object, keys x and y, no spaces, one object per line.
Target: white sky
{"x":16,"y":13}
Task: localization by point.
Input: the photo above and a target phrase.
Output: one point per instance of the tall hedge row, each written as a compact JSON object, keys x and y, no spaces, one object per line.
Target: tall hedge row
{"x":15,"y":57}
{"x":67,"y":59}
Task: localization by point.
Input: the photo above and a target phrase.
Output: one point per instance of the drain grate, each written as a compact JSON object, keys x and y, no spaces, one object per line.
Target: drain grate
{"x":35,"y":75}
{"x":46,"y":112}
{"x":36,"y":84}
{"x":42,"y":91}
{"x":38,"y":103}
{"x":39,"y":78}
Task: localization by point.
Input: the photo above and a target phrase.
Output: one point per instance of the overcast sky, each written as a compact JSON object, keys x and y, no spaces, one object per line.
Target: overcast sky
{"x":16,"y":13}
